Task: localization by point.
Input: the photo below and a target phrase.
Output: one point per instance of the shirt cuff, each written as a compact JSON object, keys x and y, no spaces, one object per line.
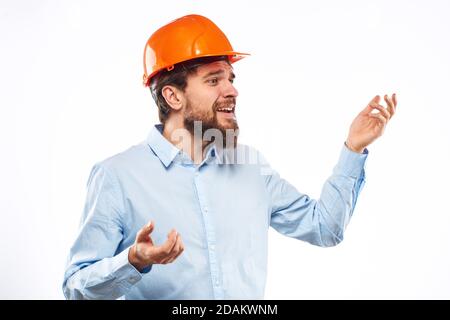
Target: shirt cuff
{"x":351,"y":163}
{"x":125,"y":272}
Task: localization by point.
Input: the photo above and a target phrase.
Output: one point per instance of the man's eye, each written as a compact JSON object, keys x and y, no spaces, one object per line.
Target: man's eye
{"x":213,"y":81}
{"x":232,"y":80}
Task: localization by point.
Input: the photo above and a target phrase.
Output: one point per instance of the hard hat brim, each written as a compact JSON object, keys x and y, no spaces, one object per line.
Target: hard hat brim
{"x":233,"y":56}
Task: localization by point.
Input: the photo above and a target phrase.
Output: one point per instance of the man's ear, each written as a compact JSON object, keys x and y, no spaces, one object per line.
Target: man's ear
{"x":174,"y":97}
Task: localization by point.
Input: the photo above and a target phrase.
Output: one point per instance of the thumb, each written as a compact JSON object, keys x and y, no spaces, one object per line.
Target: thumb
{"x":143,"y":235}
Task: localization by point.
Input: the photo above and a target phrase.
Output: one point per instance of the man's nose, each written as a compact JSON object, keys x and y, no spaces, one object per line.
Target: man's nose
{"x":230,"y":91}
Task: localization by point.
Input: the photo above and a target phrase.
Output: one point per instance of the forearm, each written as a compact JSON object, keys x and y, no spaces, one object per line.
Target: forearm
{"x":109,"y":278}
{"x":339,"y":196}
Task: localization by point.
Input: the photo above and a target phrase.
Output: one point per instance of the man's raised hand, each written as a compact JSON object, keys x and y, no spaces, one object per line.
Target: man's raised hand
{"x":144,"y":252}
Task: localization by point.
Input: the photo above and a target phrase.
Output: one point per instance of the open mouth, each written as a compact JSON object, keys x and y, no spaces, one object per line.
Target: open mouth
{"x":229,"y":109}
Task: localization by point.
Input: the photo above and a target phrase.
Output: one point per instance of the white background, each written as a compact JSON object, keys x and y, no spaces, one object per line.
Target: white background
{"x":71,"y":95}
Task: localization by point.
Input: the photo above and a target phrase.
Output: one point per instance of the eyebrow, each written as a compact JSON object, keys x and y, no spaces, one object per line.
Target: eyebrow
{"x":218,"y":72}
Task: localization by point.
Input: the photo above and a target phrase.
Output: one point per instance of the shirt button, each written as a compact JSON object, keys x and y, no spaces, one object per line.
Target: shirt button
{"x":212,"y":247}
{"x":217,"y":283}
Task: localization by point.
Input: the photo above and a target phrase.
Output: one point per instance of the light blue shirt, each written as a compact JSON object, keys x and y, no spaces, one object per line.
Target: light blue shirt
{"x":222,"y":210}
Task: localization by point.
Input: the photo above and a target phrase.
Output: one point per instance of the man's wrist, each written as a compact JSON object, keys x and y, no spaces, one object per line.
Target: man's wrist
{"x":352,"y":148}
{"x":134,"y":260}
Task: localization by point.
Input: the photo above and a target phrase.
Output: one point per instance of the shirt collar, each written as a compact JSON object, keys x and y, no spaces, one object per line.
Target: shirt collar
{"x":168,"y":153}
{"x":164,"y":150}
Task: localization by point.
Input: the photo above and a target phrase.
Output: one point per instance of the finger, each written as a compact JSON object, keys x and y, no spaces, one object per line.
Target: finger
{"x":176,"y":247}
{"x":394,"y":99}
{"x":378,"y":116}
{"x":382,"y":110}
{"x":172,"y":252}
{"x":179,"y":250}
{"x":174,"y":258}
{"x":167,"y":247}
{"x":390,"y":105}
{"x":170,"y":257}
{"x":143,"y":235}
{"x":376,"y":99}
{"x":367,"y":109}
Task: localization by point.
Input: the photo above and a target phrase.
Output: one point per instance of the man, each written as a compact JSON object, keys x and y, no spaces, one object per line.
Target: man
{"x":187,"y":178}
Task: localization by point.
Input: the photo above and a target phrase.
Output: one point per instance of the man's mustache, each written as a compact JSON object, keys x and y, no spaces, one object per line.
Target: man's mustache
{"x":225,"y":103}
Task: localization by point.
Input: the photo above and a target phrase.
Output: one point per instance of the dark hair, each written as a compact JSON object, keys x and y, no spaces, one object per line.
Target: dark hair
{"x":177,"y":77}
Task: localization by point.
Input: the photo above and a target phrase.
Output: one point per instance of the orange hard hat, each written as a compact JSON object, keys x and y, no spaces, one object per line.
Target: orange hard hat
{"x":186,"y":38}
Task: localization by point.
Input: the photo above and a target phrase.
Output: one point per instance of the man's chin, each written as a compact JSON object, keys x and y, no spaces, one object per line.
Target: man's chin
{"x":227,"y":124}
{"x":230,"y":132}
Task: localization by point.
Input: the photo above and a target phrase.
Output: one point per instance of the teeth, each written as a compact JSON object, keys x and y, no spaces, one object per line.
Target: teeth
{"x":226,"y":109}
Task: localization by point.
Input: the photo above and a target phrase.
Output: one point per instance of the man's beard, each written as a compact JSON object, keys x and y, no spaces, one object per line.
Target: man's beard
{"x":208,"y":119}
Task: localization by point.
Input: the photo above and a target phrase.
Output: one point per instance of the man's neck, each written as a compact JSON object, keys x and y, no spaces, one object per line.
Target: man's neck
{"x":181,"y":138}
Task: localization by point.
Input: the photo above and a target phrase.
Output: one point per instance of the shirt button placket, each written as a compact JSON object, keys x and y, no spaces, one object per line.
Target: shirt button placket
{"x":210,"y":239}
